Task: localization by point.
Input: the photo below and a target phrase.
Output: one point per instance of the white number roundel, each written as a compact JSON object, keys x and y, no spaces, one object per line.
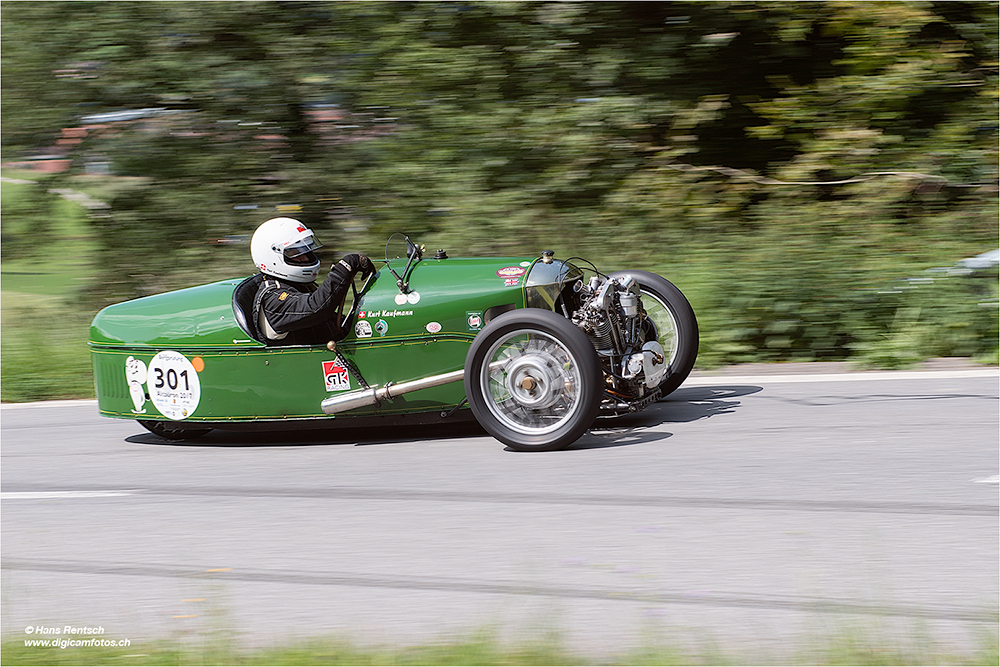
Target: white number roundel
{"x":173,"y":385}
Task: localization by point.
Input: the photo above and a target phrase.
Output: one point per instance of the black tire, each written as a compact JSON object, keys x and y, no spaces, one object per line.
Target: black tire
{"x":533,"y":380}
{"x":677,"y":328}
{"x":169,"y":431}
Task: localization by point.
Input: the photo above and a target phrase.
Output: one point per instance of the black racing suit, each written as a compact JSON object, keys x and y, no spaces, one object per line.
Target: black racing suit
{"x":305,"y":312}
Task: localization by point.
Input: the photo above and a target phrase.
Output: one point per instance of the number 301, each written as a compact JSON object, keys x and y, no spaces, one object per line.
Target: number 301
{"x":171,"y":378}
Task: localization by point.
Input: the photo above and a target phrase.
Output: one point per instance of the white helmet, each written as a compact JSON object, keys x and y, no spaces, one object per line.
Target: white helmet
{"x":283,"y":247}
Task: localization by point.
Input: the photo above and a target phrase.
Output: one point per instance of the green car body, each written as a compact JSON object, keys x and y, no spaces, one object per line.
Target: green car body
{"x":241,"y":379}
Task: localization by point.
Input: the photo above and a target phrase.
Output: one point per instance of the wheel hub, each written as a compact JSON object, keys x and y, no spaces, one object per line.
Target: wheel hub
{"x":534,"y":381}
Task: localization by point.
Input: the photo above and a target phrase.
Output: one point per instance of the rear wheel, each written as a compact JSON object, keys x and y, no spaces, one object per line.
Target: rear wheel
{"x":533,"y":380}
{"x":671,"y":322}
{"x":169,"y":431}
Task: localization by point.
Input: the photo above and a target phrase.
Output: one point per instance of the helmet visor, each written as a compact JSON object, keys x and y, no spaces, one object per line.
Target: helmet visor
{"x":301,"y":252}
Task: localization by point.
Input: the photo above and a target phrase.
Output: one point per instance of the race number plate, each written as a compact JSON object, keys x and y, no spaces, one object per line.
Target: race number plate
{"x":173,"y":385}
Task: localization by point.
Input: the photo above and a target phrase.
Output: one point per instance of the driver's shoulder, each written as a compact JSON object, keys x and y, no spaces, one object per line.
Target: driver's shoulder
{"x":282,"y":288}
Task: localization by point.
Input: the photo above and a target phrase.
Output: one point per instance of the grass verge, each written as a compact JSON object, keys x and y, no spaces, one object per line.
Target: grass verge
{"x":45,"y":354}
{"x":845,"y":647}
{"x":45,"y":330}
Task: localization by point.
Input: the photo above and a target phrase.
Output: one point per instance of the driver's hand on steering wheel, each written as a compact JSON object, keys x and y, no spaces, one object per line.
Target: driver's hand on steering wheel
{"x":357,"y":262}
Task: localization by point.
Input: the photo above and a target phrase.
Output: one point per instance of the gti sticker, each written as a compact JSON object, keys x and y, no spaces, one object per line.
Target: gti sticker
{"x":336,"y":376}
{"x":363,"y":329}
{"x":135,"y":375}
{"x":173,"y":385}
{"x":381,"y":327}
{"x":433,"y":327}
{"x":511,"y":271}
{"x":474,"y":321}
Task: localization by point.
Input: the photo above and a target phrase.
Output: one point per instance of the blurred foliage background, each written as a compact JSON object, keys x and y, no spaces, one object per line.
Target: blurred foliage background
{"x":787,"y":164}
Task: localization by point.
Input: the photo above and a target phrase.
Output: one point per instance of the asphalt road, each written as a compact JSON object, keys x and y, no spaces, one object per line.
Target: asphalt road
{"x":743,"y":511}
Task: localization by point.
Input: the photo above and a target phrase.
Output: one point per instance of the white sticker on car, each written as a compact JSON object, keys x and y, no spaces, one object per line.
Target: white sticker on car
{"x":135,"y":375}
{"x":173,"y":384}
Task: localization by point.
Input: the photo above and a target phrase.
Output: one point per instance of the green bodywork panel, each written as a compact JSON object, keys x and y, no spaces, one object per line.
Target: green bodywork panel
{"x":218,"y":373}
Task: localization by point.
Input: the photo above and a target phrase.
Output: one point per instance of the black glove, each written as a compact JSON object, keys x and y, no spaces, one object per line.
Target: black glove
{"x":356,"y":262}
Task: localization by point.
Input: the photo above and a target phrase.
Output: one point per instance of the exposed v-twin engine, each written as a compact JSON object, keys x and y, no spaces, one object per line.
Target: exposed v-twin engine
{"x":613,"y":317}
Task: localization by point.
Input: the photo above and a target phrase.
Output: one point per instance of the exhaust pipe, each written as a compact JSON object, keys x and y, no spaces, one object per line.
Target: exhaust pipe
{"x":374,"y":396}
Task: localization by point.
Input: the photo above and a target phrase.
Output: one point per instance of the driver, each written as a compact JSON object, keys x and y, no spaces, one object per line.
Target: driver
{"x":289,"y":308}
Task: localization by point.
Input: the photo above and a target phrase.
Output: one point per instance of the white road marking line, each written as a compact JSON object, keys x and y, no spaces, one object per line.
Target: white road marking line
{"x":43,"y":495}
{"x":708,"y":380}
{"x":51,"y":404}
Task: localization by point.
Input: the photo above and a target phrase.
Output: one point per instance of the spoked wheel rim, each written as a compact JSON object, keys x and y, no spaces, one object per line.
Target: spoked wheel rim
{"x":531,"y":382}
{"x":664,"y":323}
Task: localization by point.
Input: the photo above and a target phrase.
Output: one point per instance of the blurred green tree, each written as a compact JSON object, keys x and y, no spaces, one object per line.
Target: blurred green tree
{"x":649,"y":132}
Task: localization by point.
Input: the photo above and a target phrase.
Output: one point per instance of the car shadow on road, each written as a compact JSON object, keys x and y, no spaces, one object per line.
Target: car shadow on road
{"x":344,"y":436}
{"x":684,"y":405}
{"x":694,"y":403}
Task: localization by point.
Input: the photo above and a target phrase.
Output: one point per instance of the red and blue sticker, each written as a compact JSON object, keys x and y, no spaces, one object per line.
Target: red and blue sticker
{"x":511,"y":275}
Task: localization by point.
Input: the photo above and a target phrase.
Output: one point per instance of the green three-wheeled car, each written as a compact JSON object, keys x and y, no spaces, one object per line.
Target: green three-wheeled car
{"x":535,"y":347}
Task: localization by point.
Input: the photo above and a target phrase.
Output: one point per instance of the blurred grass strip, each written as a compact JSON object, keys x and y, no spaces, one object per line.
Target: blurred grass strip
{"x":47,"y":265}
{"x":844,"y":647}
{"x":44,"y":352}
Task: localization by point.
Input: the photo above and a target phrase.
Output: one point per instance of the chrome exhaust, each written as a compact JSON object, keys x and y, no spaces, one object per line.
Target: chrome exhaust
{"x":375,"y":395}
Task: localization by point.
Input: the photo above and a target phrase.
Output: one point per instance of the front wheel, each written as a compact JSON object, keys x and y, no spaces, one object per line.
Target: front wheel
{"x":671,"y":322}
{"x":533,"y":380}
